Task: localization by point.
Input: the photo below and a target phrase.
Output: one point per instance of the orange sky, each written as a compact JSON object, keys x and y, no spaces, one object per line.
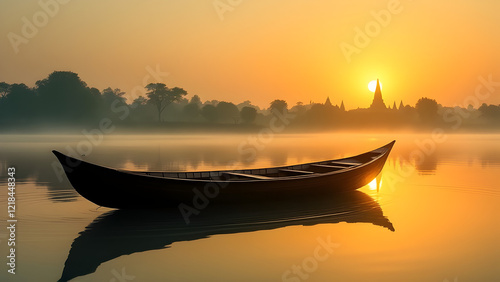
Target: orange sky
{"x":261,"y":50}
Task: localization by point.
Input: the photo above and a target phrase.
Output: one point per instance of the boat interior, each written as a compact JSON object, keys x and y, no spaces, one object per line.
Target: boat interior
{"x":272,"y":173}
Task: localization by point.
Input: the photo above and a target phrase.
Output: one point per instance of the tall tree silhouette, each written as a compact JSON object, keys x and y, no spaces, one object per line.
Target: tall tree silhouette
{"x":248,"y":114}
{"x":209,"y":112}
{"x":110,"y":95}
{"x":195,"y":100}
{"x":63,"y":96}
{"x":139,"y":102}
{"x":112,"y":100}
{"x":490,"y":111}
{"x":192,"y":111}
{"x":161,"y":96}
{"x":278,"y":105}
{"x":19,"y":104}
{"x":427,"y":109}
{"x":4,"y":89}
{"x":227,"y":111}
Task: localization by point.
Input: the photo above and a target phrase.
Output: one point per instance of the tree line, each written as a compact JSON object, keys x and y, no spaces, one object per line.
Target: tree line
{"x":63,"y":98}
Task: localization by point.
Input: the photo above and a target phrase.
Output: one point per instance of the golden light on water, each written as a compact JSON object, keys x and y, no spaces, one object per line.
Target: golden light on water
{"x":373,"y":184}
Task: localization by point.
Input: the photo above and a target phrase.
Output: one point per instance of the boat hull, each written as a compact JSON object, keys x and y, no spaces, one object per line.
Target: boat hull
{"x":124,"y":189}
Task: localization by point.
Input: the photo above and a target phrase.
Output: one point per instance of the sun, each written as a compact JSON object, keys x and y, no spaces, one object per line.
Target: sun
{"x":372,"y":85}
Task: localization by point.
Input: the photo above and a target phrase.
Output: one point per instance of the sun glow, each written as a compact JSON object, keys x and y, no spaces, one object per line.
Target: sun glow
{"x":373,"y":184}
{"x":372,"y":85}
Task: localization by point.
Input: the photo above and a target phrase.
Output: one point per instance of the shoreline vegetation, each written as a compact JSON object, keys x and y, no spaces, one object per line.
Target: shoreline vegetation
{"x":63,"y":102}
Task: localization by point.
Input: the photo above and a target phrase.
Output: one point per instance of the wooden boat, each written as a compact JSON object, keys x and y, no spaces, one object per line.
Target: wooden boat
{"x":117,"y":188}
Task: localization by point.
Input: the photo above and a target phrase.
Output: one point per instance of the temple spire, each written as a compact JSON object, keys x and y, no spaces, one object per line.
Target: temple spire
{"x":378,"y":102}
{"x":328,"y":103}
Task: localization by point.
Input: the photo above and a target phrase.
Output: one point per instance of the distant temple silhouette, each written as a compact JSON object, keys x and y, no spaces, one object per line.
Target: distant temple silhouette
{"x":378,"y":102}
{"x":328,"y":103}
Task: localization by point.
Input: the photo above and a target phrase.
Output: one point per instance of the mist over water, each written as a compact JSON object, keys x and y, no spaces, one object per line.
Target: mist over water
{"x":438,"y":195}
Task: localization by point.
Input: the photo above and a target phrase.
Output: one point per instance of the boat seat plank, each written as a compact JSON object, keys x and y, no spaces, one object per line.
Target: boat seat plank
{"x":296,"y":171}
{"x":346,"y":163}
{"x":253,"y":176}
{"x":329,"y":166}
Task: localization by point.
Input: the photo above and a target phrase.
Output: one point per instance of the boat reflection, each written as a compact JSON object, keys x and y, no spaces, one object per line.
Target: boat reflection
{"x":124,"y":232}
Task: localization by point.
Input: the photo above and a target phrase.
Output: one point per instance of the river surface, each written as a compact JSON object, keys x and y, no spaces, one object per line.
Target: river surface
{"x":432,"y":215}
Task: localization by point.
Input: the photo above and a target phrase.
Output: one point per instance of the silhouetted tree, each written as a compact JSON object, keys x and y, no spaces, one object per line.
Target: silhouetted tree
{"x":278,"y":105}
{"x":320,"y":115}
{"x":212,"y":102}
{"x":195,"y":100}
{"x":427,"y":109}
{"x":192,"y":110}
{"x":209,"y":113}
{"x":490,"y":111}
{"x":19,"y":103}
{"x":248,"y":114}
{"x":227,"y":112}
{"x":246,"y":103}
{"x":161,"y":96}
{"x":142,"y":111}
{"x":110,"y":95}
{"x":112,"y":99}
{"x":4,"y":89}
{"x":64,"y":96}
{"x":299,"y":108}
{"x":139,"y":101}
{"x":95,"y":93}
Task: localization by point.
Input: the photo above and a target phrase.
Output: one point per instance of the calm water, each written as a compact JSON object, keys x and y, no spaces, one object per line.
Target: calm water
{"x":435,"y":215}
